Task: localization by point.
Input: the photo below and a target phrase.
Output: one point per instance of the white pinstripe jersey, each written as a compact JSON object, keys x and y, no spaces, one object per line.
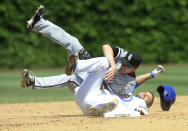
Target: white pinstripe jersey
{"x":121,"y":83}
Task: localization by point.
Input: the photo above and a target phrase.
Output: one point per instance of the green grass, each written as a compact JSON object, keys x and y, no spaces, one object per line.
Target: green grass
{"x":11,"y":92}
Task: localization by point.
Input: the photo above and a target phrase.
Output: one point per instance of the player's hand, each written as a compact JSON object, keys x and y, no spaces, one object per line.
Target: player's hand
{"x":110,"y":73}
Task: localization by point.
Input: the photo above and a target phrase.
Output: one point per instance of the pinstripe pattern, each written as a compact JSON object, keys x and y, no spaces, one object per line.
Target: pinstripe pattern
{"x":121,"y":83}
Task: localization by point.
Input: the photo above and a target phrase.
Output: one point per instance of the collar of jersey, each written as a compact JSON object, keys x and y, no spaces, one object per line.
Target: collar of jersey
{"x":126,"y":99}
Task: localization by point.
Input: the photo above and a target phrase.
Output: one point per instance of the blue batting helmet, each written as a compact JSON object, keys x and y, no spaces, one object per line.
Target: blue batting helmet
{"x":167,"y":96}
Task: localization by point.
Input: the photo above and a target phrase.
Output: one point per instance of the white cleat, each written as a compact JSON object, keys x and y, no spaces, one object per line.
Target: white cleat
{"x":36,"y":17}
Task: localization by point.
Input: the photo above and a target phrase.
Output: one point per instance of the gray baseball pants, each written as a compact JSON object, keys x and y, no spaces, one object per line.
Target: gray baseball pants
{"x":58,"y":35}
{"x":71,"y":44}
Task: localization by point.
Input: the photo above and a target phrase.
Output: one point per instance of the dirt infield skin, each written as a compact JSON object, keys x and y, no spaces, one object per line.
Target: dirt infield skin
{"x":66,"y":116}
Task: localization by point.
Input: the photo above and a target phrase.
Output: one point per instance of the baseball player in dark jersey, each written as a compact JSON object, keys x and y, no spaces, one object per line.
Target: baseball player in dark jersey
{"x":120,"y":78}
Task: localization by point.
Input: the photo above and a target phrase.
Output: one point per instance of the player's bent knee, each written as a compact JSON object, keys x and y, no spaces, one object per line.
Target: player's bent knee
{"x":103,"y":61}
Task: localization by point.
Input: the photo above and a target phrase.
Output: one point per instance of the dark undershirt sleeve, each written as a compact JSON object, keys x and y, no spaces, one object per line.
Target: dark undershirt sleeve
{"x":116,"y":51}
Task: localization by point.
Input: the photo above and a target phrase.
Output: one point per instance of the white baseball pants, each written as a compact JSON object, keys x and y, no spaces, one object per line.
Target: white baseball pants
{"x":89,"y":92}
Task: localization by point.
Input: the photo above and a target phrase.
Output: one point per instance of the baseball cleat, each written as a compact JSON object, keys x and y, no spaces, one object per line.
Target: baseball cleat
{"x":71,"y":64}
{"x":36,"y":17}
{"x":159,"y":70}
{"x":27,"y":79}
{"x":100,"y":109}
{"x":83,"y":54}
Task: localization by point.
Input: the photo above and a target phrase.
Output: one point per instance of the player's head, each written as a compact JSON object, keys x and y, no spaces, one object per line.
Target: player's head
{"x":130,"y":62}
{"x":148,"y":97}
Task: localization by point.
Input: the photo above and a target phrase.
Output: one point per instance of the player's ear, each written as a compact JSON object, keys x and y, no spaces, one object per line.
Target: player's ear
{"x":150,"y":103}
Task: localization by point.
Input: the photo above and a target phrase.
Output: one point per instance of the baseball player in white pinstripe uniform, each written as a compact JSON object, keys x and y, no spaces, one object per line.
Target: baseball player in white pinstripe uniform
{"x":118,"y":80}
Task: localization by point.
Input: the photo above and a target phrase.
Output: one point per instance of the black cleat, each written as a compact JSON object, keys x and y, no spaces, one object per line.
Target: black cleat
{"x":83,"y":54}
{"x":36,"y":17}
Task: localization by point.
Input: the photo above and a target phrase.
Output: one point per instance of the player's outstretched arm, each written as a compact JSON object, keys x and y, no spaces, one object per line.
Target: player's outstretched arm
{"x":108,"y":52}
{"x":141,"y":79}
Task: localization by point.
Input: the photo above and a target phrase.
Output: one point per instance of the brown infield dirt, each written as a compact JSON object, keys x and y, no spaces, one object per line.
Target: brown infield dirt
{"x":65,"y":116}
